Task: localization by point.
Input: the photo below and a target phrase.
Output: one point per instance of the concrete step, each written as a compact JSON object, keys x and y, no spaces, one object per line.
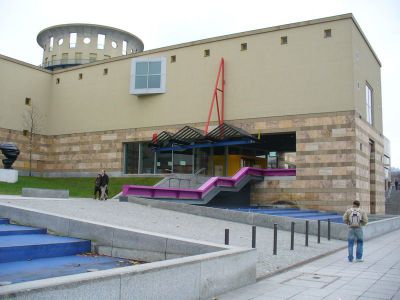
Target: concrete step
{"x":4,"y":221}
{"x":32,"y":246}
{"x":9,"y":229}
{"x":22,"y":271}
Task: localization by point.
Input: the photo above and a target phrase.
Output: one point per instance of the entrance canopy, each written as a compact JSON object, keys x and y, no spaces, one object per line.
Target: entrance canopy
{"x":190,"y":137}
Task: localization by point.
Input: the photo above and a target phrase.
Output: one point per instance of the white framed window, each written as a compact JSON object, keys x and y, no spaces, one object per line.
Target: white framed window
{"x":101,"y":38}
{"x":51,"y":44}
{"x":124,"y":47}
{"x":368,"y":102}
{"x":148,"y":75}
{"x":72,"y":39}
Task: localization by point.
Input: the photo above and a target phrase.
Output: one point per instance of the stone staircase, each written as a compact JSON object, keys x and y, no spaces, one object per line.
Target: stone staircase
{"x":28,"y":253}
{"x":392,"y":205}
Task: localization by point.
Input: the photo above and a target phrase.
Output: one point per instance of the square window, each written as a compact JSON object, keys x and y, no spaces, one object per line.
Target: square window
{"x":142,"y":68}
{"x":27,"y":101}
{"x":105,"y":71}
{"x":327,"y":33}
{"x":154,"y":81}
{"x":148,"y":76}
{"x":25,"y":132}
{"x":243,"y":47}
{"x":80,"y":76}
{"x":57,"y":80}
{"x":206,"y":52}
{"x":141,"y":82}
{"x":155,"y":67}
{"x":284,"y":40}
{"x":173,"y":58}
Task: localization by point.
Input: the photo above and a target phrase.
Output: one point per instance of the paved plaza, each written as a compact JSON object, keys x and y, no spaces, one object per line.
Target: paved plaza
{"x":322,"y":271}
{"x":162,"y":221}
{"x":333,"y":277}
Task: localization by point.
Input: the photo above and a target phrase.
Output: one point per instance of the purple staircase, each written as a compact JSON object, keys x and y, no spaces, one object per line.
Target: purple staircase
{"x":209,"y":189}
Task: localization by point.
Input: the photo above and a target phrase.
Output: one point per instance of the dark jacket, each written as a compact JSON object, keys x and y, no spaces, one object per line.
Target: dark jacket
{"x":104,"y":180}
{"x":98,"y":181}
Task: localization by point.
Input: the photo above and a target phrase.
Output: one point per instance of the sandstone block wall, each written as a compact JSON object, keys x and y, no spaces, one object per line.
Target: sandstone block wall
{"x":333,"y":158}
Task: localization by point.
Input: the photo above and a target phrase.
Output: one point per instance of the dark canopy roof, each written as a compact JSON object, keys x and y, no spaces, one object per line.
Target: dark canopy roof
{"x":190,"y":135}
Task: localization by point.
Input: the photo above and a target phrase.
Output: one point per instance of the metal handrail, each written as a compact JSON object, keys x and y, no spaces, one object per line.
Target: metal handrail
{"x":193,"y":176}
{"x":74,"y":61}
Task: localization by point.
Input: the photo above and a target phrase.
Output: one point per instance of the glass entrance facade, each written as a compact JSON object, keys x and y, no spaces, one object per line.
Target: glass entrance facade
{"x":276,"y":151}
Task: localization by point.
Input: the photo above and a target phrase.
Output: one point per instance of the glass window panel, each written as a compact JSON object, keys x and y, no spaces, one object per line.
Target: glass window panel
{"x":154,"y":81}
{"x":183,"y":164}
{"x":141,"y":82}
{"x":164,"y":162}
{"x":147,"y":159}
{"x":155,"y":67}
{"x":142,"y":68}
{"x":131,"y":158}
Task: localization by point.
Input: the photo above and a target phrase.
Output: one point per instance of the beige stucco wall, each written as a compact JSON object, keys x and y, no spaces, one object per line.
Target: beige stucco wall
{"x":311,"y":74}
{"x":366,"y":69}
{"x":17,"y":82}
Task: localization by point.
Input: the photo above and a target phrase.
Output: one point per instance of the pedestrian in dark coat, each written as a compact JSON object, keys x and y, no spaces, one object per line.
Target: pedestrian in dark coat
{"x":97,"y":189}
{"x":104,"y":185}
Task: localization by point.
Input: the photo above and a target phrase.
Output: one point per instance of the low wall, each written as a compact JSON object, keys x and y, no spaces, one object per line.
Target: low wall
{"x":201,"y":271}
{"x":44,"y":193}
{"x":338,"y":231}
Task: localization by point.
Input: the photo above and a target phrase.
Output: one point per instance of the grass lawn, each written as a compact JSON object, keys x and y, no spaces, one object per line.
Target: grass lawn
{"x":78,"y":187}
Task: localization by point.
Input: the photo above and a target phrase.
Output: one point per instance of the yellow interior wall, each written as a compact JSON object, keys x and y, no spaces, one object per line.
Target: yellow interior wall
{"x":234,"y":162}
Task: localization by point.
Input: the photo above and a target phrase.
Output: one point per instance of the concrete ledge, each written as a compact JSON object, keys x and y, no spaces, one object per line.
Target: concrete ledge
{"x":211,"y":269}
{"x":198,"y":277}
{"x":338,"y":231}
{"x":44,"y":193}
{"x":8,"y":175}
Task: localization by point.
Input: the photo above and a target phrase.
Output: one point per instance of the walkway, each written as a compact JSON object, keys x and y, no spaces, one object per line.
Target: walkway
{"x":333,"y":277}
{"x":141,"y":217}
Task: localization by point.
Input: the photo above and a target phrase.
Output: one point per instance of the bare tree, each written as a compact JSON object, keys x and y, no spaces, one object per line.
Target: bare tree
{"x":32,"y":119}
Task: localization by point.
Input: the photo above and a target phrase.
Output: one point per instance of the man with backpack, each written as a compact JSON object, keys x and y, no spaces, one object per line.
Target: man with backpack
{"x":355,"y":217}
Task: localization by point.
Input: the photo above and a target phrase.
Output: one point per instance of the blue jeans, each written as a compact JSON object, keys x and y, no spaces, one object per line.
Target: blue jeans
{"x":355,"y":234}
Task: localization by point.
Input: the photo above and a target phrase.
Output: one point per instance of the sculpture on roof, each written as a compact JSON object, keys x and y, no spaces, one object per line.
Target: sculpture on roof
{"x":11,"y":152}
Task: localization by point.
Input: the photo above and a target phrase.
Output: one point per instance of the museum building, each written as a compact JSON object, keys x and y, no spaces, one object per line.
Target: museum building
{"x":305,"y":95}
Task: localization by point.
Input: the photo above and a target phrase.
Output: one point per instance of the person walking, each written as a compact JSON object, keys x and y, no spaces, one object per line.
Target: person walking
{"x":396,"y":183}
{"x":104,"y":185}
{"x":355,"y":218}
{"x":97,"y":189}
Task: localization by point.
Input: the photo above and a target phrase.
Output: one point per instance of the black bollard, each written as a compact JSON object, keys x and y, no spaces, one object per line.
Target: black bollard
{"x":292,"y":237}
{"x":253,"y":236}
{"x":226,"y":236}
{"x":275,"y":239}
{"x":329,"y":229}
{"x":319,"y":231}
{"x":307,"y":233}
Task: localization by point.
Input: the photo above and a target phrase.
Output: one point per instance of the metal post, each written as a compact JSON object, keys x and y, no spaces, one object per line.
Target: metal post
{"x":226,"y":236}
{"x":275,"y":238}
{"x":319,"y":231}
{"x":329,"y":229}
{"x":292,"y":237}
{"x":307,"y":222}
{"x":253,"y":236}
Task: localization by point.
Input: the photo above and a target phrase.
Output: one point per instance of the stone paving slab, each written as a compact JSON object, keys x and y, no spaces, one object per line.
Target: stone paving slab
{"x":162,"y":221}
{"x":333,"y":277}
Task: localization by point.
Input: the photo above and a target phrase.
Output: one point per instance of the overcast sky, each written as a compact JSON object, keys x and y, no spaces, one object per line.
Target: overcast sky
{"x":161,"y":23}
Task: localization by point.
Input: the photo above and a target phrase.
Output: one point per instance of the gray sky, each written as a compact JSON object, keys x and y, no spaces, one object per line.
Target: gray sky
{"x":161,"y":23}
